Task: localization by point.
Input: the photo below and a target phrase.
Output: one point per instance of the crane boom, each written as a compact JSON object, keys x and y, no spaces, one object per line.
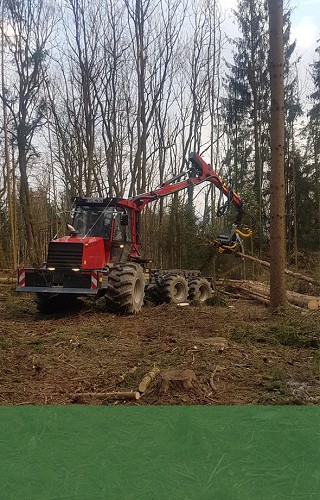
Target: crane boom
{"x":198,"y":173}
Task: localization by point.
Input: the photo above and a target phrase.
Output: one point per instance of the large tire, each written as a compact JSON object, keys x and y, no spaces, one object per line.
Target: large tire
{"x":125,"y":291}
{"x":173,"y":288}
{"x":50,"y":303}
{"x":199,"y":289}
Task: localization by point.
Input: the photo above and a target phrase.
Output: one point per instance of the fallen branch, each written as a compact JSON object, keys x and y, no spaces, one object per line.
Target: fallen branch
{"x":148,"y":378}
{"x":213,"y":387}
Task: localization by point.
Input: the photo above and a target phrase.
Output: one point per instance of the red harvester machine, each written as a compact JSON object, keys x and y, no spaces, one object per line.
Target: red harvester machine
{"x":101,"y":256}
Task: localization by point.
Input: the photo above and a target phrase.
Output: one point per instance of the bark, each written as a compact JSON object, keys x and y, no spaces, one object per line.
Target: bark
{"x":277,"y":188}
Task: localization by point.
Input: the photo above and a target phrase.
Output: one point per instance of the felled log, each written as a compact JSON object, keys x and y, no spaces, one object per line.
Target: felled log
{"x":309,"y":301}
{"x":108,"y":395}
{"x":148,"y":378}
{"x":264,"y":263}
{"x":256,"y":296}
{"x":262,"y":292}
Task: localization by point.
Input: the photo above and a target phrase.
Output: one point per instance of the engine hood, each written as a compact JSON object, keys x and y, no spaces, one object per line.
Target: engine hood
{"x":89,"y":252}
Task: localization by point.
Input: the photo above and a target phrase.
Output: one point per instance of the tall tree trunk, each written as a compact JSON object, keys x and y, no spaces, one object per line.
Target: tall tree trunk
{"x":294,"y":201}
{"x":277,"y":188}
{"x":13,"y":256}
{"x":25,"y":196}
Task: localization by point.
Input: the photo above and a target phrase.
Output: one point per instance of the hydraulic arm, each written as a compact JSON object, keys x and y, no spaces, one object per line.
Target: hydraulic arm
{"x":198,"y":173}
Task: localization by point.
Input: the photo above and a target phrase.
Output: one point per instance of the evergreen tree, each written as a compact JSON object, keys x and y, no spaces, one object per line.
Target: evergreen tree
{"x":247,"y":108}
{"x":248,"y":96}
{"x":314,"y":143}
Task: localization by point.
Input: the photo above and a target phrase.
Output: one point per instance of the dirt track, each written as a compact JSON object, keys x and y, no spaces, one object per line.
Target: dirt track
{"x":256,"y":358}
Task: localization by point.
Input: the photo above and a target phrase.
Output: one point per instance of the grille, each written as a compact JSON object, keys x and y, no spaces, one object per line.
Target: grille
{"x":64,"y":255}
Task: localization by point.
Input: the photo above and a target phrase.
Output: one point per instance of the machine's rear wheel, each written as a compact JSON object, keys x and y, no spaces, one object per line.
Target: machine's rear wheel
{"x":49,"y":303}
{"x":199,"y":289}
{"x":125,"y":291}
{"x":173,"y":288}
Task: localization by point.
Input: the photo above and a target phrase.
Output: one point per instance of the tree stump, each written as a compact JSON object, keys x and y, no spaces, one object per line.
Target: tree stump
{"x":182,"y":378}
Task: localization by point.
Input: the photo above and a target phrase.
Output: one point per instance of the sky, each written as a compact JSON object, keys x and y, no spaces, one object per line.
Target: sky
{"x":306,"y":25}
{"x":305,"y":20}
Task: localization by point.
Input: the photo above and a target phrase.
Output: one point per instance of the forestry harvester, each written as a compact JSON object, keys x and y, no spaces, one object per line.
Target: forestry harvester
{"x":101,"y":256}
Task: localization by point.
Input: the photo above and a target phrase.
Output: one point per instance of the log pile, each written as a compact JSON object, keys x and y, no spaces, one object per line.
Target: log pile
{"x":121,"y":395}
{"x":266,"y":264}
{"x":261,"y":292}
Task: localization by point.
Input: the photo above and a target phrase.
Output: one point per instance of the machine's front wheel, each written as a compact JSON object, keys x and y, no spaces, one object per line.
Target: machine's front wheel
{"x":125,"y":291}
{"x":173,"y":288}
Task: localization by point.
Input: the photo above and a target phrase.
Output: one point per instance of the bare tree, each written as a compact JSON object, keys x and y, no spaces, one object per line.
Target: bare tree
{"x":155,"y":28}
{"x":8,"y":180}
{"x":85,"y":69}
{"x":111,"y":93}
{"x":31,"y":25}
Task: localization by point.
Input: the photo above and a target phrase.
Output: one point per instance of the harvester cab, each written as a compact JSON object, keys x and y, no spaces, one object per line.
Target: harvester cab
{"x":111,"y":219}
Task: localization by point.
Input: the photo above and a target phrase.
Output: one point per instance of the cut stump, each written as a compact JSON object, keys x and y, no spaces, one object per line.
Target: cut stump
{"x":177,"y":377}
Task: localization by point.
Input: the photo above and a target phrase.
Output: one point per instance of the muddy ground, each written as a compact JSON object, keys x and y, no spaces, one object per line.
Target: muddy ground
{"x":239,"y":353}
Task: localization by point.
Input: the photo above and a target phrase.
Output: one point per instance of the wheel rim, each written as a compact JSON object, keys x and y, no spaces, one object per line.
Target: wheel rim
{"x":138,"y":292}
{"x":179,"y":291}
{"x":203,"y":293}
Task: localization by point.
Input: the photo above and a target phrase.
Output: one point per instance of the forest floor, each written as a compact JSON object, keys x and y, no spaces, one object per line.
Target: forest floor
{"x":240,"y":354}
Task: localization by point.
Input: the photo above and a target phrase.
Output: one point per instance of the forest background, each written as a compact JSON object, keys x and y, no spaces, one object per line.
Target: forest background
{"x":107,"y":98}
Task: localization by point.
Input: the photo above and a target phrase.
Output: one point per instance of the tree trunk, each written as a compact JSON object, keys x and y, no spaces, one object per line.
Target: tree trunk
{"x":277,"y":188}
{"x":13,"y":255}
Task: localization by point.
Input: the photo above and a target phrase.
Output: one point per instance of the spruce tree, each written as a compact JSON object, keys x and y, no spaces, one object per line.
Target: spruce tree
{"x":314,"y":128}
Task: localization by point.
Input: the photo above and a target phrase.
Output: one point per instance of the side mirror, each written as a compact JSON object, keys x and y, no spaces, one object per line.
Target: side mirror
{"x":72,"y":230}
{"x":124,"y":220}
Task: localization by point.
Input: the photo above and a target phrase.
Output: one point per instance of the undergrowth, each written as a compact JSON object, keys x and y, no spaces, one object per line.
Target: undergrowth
{"x":280,"y":333}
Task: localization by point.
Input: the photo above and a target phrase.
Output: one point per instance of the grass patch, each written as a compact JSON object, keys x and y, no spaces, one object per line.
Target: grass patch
{"x":246,"y":334}
{"x":288,"y":335}
{"x":216,"y":300}
{"x":278,"y":334}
